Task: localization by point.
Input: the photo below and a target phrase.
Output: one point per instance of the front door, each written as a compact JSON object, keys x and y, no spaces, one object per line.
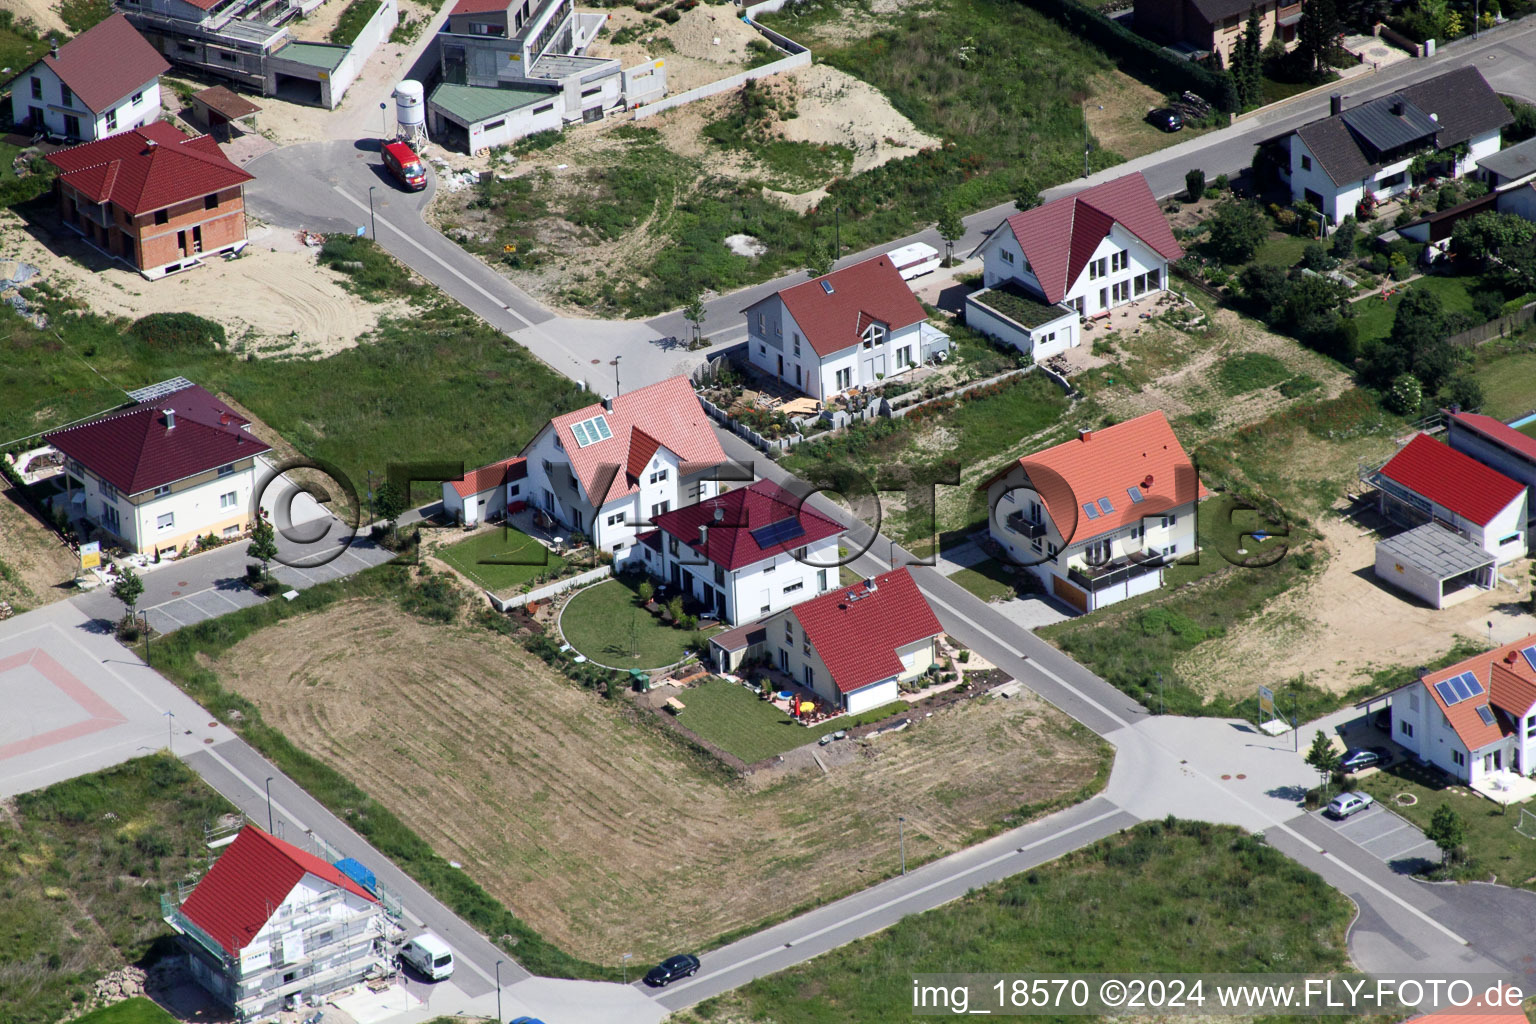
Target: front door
{"x":781,"y":367}
{"x":677,"y":576}
{"x":783,"y":660}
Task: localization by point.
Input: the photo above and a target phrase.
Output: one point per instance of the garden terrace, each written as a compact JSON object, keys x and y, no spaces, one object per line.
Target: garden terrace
{"x":1014,"y":302}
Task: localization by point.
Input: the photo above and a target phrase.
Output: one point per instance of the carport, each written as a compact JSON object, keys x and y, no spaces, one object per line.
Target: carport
{"x":1435,"y":565}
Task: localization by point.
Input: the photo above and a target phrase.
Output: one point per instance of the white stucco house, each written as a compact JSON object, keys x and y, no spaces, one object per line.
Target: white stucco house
{"x":853,"y":646}
{"x":610,"y":468}
{"x":1335,"y":161}
{"x":1499,"y":446}
{"x":1427,"y":481}
{"x":178,"y":465}
{"x":745,"y":553}
{"x":851,"y":328}
{"x":1475,"y":719}
{"x":104,"y":81}
{"x":484,"y":494}
{"x":1097,"y":519}
{"x":271,"y":924}
{"x":1047,"y":268}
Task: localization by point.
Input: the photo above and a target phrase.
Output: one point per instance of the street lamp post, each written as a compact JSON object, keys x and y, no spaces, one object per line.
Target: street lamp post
{"x":625,"y":961}
{"x":901,"y":831}
{"x":146,"y":638}
{"x":170,"y":717}
{"x":373,"y":225}
{"x":616,"y":375}
{"x":269,"y":805}
{"x":498,"y":992}
{"x":384,"y":133}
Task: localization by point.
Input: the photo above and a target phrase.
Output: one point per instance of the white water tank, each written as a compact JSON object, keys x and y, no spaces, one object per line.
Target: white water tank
{"x":410,"y":106}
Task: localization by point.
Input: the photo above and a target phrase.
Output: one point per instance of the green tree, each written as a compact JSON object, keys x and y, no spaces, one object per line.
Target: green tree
{"x":693,"y":312}
{"x":1419,"y":336}
{"x":1237,"y":231}
{"x":1317,"y":35}
{"x":1247,"y":62}
{"x":1406,"y":395}
{"x":951,"y":229}
{"x":1342,"y":244}
{"x":1448,"y":831}
{"x":1323,"y":758}
{"x":128,"y":589}
{"x":1194,"y":183}
{"x":1524,"y":125}
{"x":388,"y":503}
{"x":263,"y":543}
{"x":1025,"y":196}
{"x":1495,"y":241}
{"x":1464,"y":392}
{"x":818,"y":261}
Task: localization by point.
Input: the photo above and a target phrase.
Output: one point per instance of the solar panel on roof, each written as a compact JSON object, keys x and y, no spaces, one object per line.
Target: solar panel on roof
{"x":599,"y":426}
{"x":1447,"y":694}
{"x":580,"y":430}
{"x":1485,"y":713}
{"x":1458,"y":687}
{"x":1135,"y":493}
{"x":778,"y":533}
{"x":826,"y":286}
{"x":1530,"y":656}
{"x":155,"y":392}
{"x":1105,"y":506}
{"x":1091,"y":509}
{"x":1472,"y":683}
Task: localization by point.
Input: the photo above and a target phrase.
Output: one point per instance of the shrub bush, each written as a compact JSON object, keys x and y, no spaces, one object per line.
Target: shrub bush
{"x":177,"y":332}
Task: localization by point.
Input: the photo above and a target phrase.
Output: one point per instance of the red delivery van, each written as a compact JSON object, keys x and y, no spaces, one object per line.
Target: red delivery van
{"x":405,"y":165}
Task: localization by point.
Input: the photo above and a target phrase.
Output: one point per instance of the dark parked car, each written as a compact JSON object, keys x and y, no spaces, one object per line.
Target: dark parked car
{"x":1165,"y":119}
{"x":1359,"y":758}
{"x":672,"y":968}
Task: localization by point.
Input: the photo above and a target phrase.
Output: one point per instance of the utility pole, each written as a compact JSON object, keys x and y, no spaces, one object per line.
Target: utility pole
{"x":837,"y":233}
{"x":373,"y":225}
{"x":146,"y":638}
{"x":1162,"y":705}
{"x":370,"y":496}
{"x":901,"y":831}
{"x":269,"y":805}
{"x":616,"y":375}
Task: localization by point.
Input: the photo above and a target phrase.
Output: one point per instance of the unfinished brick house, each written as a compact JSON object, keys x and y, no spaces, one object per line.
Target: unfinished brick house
{"x":154,"y":198}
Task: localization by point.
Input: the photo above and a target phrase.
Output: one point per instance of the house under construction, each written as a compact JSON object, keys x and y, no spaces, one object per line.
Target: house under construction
{"x":273,"y":927}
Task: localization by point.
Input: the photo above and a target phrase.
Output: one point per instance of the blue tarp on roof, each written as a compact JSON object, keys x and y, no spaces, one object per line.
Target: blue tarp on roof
{"x":359,"y":872}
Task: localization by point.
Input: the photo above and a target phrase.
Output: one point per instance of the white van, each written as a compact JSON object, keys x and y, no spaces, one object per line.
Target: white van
{"x":430,"y":955}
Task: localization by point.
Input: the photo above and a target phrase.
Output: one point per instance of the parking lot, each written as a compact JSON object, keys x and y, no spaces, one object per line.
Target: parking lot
{"x":1387,"y":837}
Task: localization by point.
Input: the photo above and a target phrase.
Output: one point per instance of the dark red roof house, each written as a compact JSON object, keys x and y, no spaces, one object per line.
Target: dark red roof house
{"x":1496,"y":444}
{"x":159,"y":200}
{"x":104,"y":81}
{"x":267,"y":908}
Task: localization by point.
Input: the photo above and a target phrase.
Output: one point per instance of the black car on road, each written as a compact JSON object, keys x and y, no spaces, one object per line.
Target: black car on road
{"x":1165,"y":119}
{"x":672,"y":968}
{"x":1360,"y":758}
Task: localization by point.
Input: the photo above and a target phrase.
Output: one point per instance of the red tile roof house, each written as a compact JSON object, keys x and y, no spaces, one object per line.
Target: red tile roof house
{"x":156,"y":199}
{"x":606,"y":470}
{"x":851,"y":328}
{"x":270,"y":922}
{"x":177,"y":466}
{"x":1096,"y":519}
{"x":1475,"y":718}
{"x":1499,"y":446}
{"x":1429,"y":481}
{"x":853,"y":646}
{"x":104,"y":81}
{"x":486,"y":494}
{"x":1078,"y":256}
{"x":745,"y":553}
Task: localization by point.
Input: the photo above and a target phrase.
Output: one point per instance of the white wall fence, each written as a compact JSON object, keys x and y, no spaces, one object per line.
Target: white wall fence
{"x":799,"y":57}
{"x":552,"y":590}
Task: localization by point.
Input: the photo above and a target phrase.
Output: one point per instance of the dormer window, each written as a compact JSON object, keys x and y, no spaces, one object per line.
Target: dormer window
{"x":874,"y":335}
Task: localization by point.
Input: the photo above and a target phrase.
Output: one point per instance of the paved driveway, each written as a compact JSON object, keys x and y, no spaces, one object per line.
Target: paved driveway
{"x":1387,"y":836}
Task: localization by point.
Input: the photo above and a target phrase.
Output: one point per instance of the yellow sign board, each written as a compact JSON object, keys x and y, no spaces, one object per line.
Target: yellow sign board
{"x":90,"y":555}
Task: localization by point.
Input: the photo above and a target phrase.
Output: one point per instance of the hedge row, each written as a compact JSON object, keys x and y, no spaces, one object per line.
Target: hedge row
{"x":1168,"y":72}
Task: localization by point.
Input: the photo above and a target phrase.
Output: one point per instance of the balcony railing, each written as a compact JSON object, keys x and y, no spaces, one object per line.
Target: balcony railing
{"x":1116,"y":571}
{"x":1025,"y":527}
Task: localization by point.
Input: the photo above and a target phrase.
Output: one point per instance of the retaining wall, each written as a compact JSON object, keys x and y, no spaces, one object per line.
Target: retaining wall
{"x":506,"y":604}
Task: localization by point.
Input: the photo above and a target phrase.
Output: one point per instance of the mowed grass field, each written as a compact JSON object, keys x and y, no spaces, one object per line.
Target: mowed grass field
{"x":734,"y":719}
{"x":1164,"y":897}
{"x":137,"y":1010}
{"x":501,"y":559}
{"x":591,"y":823}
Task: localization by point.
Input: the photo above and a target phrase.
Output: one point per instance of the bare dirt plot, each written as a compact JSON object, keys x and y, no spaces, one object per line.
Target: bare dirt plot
{"x":592,"y":825}
{"x":1117,"y":109}
{"x":1344,"y":624}
{"x":44,"y":14}
{"x":36,"y":565}
{"x":705,"y":45}
{"x":273,"y":300}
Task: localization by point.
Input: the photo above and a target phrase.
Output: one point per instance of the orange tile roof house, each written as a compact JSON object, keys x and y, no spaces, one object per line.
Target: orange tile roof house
{"x":853,"y":646}
{"x":851,"y":328}
{"x":486,"y":494}
{"x":1097,"y":519}
{"x":104,"y":81}
{"x":1078,"y":256}
{"x":606,"y":470}
{"x":1475,"y":719}
{"x":156,"y":199}
{"x":271,"y":922}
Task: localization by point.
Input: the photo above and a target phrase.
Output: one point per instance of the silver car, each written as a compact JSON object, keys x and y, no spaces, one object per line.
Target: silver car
{"x":1345,"y":804}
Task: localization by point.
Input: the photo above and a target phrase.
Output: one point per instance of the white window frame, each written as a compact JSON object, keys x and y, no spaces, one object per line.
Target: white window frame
{"x":165,"y":521}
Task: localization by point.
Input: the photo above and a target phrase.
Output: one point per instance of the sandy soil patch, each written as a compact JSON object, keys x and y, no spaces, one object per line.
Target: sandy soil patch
{"x":1343,"y":624}
{"x":317,"y":25}
{"x":269,"y":302}
{"x":38,"y":562}
{"x":598,"y":830}
{"x":44,"y":14}
{"x":708,"y":43}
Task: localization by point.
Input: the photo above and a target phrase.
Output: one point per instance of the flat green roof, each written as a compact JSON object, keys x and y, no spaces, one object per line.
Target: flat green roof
{"x":316,"y":55}
{"x":1018,"y":305}
{"x":473,"y":104}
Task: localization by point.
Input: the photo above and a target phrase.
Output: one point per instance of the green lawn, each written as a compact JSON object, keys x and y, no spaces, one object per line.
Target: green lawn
{"x":1250,"y":371}
{"x":737,"y":721}
{"x":1282,"y":250}
{"x":988,"y":581}
{"x":353,"y":20}
{"x":478,"y":558}
{"x":137,"y":1010}
{"x":1494,"y":845}
{"x":1374,"y":316}
{"x":1509,"y":386}
{"x":84,"y":864}
{"x":607,"y":624}
{"x":1166,"y":896}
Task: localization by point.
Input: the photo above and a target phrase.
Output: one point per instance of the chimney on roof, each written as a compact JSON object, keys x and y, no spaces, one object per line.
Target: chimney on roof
{"x":53,"y":46}
{"x":1085,"y":435}
{"x":170,"y":418}
{"x":870,"y":586}
{"x":149,"y":145}
{"x":1397,"y":107}
{"x":1335,"y":104}
{"x":608,"y":403}
{"x":225,"y":419}
{"x":704,"y":535}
